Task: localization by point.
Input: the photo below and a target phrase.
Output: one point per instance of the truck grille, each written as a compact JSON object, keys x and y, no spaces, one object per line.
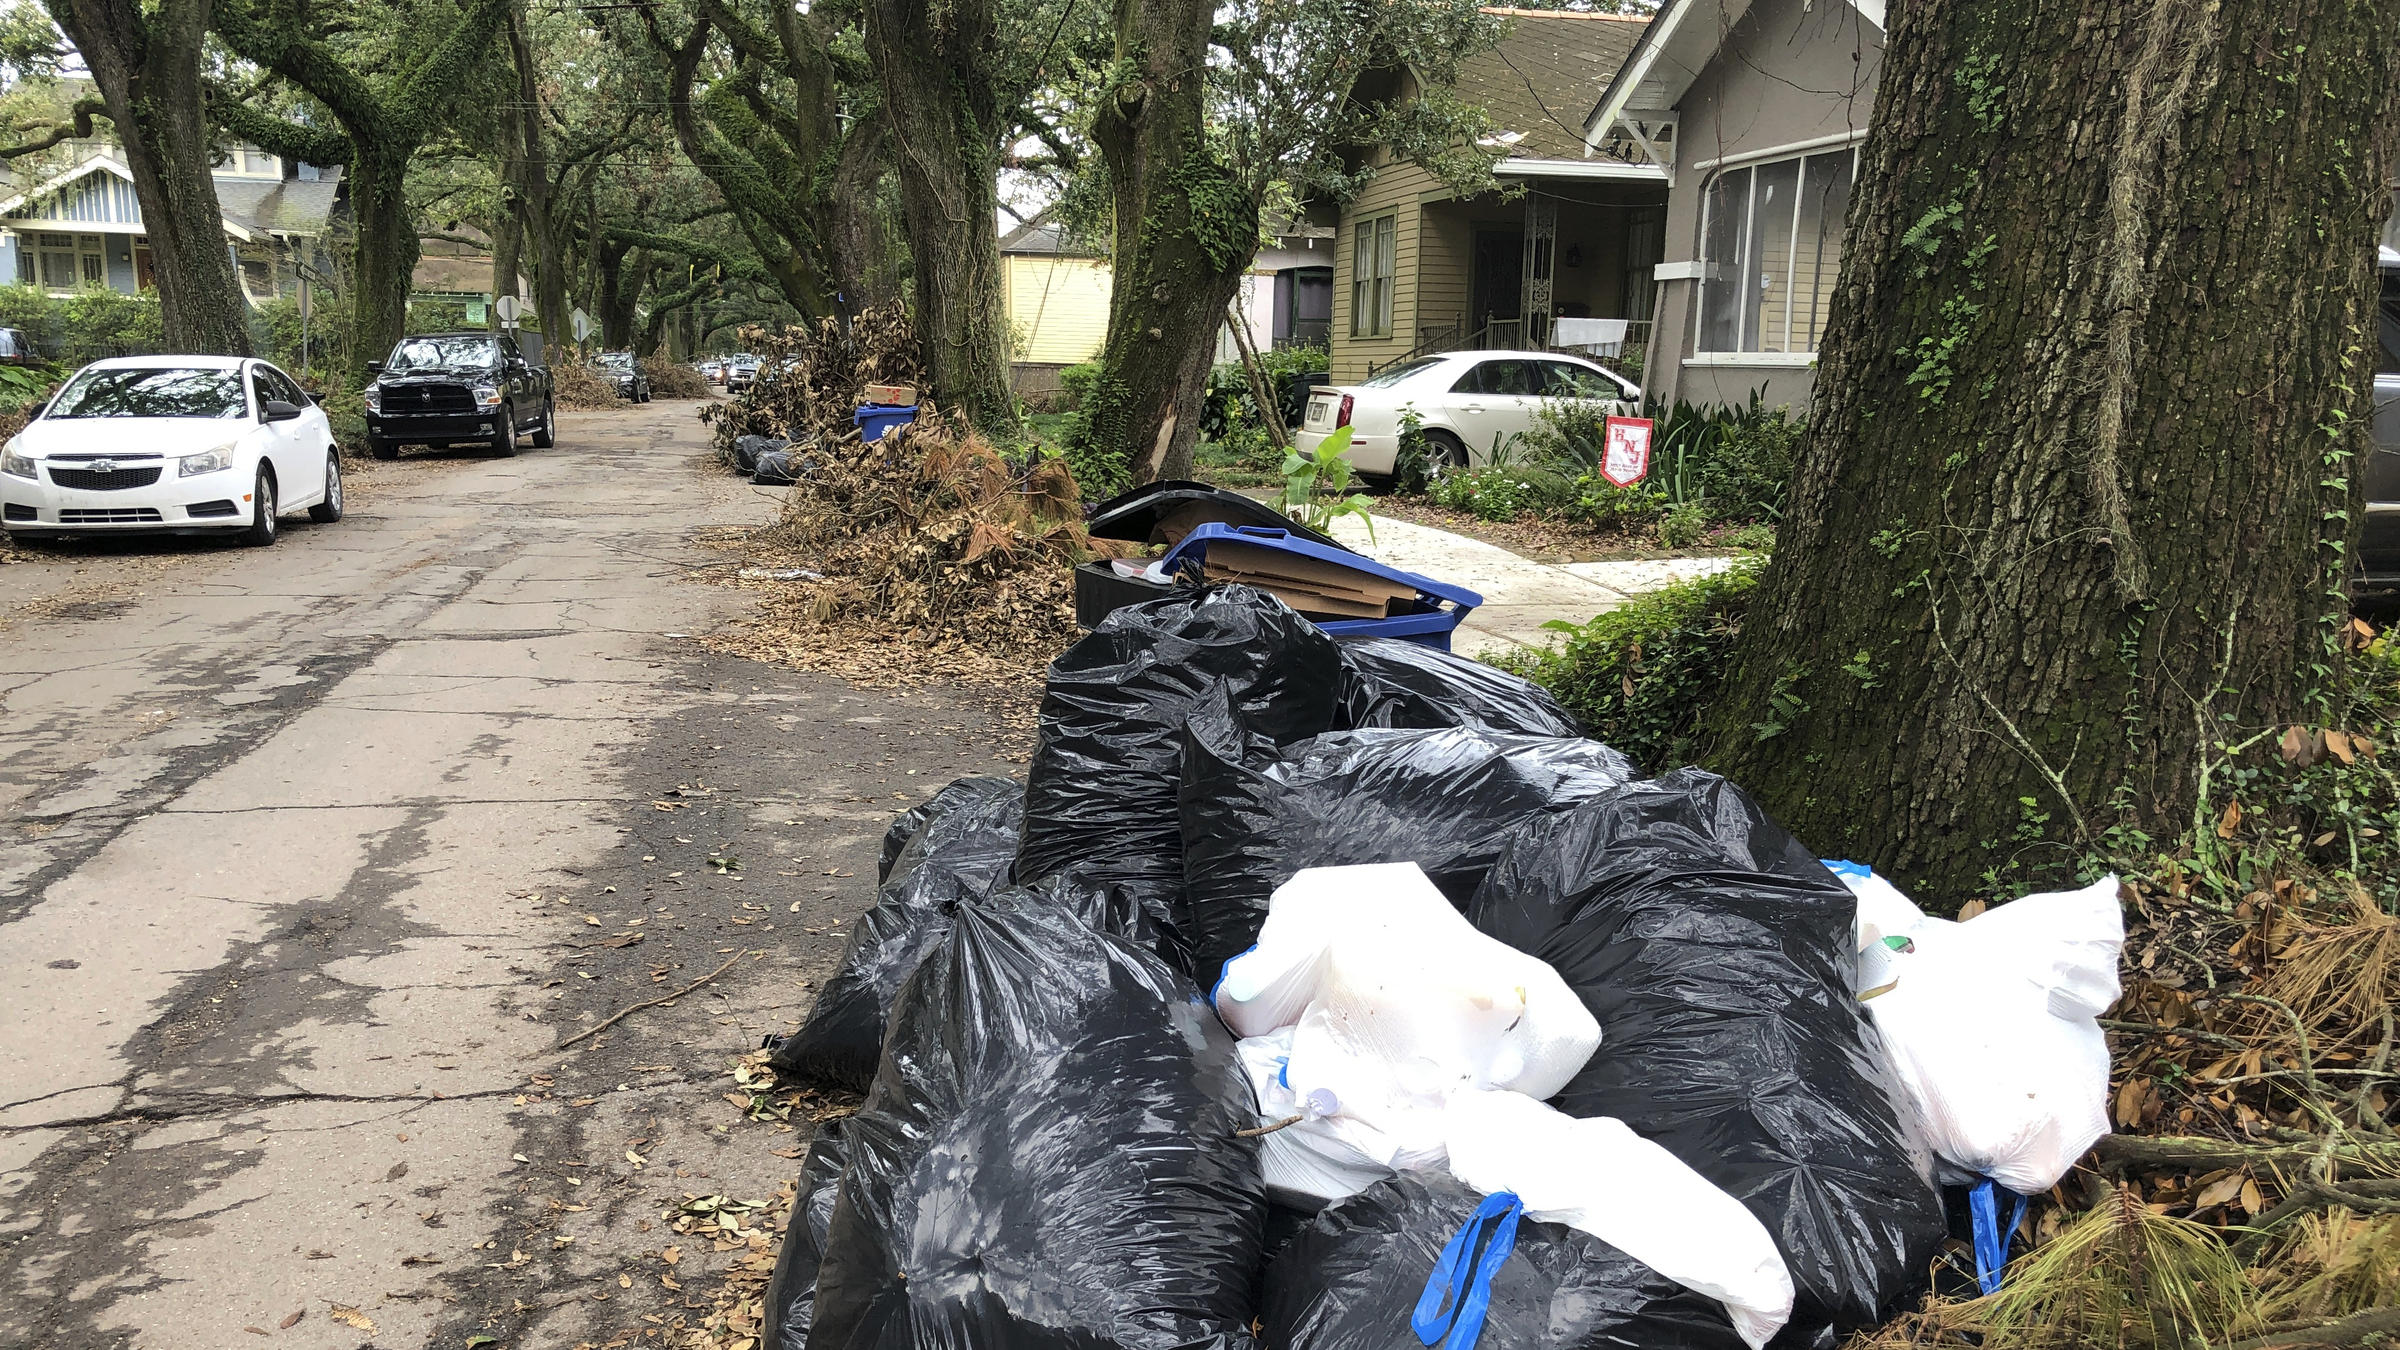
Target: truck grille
{"x":94,"y":480}
{"x":409,"y":399}
{"x":142,"y":515}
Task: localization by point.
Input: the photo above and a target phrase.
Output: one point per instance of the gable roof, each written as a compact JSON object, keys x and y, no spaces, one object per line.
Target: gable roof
{"x":1683,"y":37}
{"x":1045,"y":236}
{"x":96,"y":162}
{"x":278,"y":205}
{"x":1548,"y":70}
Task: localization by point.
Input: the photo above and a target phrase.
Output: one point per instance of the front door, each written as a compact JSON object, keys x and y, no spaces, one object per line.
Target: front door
{"x":1498,"y":299}
{"x":143,"y":278}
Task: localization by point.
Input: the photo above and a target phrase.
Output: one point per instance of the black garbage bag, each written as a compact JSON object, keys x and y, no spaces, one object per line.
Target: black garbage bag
{"x":747,"y":449}
{"x":777,"y":468}
{"x":1102,"y":783}
{"x":956,"y":846}
{"x":792,"y":1289}
{"x":1716,"y":952}
{"x":1446,"y":800}
{"x":1350,"y":1280}
{"x":1049,"y":1156}
{"x":1390,"y":683}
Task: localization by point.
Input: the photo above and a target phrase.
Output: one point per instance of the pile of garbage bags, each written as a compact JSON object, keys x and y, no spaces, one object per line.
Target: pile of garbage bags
{"x":1339,"y":995}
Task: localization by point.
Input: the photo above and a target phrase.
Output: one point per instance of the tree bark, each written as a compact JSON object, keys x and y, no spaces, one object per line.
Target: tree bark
{"x":386,"y":244}
{"x":147,"y":66}
{"x":2073,"y":505}
{"x":530,"y":179}
{"x":1186,"y":231}
{"x":936,"y":63}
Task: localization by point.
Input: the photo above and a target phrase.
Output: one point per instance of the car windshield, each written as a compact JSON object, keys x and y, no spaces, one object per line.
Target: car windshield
{"x":1386,"y":379}
{"x":151,"y":391}
{"x":617,"y":360}
{"x":440,"y":353}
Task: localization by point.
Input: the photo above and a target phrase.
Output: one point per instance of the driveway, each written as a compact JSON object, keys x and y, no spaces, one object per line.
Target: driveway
{"x":314,"y":855}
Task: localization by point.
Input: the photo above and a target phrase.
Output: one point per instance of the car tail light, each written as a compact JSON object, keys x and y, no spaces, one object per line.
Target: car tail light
{"x":1342,"y":419}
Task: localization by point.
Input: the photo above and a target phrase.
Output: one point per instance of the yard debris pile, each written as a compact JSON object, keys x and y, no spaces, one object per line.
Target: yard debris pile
{"x":812,"y":381}
{"x":581,"y":388}
{"x":926,"y":552}
{"x":1548,"y":1054}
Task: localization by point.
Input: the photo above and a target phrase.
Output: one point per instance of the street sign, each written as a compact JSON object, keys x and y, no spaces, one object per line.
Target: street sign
{"x":1625,"y":450}
{"x":582,"y":325}
{"x":508,"y":307}
{"x":304,"y":304}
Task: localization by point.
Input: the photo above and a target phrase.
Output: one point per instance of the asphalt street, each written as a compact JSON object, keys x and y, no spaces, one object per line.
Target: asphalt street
{"x":311,"y":857}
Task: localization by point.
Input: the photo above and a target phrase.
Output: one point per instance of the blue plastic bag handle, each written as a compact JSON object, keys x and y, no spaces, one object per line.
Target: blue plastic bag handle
{"x":1991,"y":1240}
{"x":1458,"y":1272}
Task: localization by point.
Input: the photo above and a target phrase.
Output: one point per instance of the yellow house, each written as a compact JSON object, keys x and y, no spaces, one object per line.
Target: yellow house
{"x":1057,"y":299}
{"x":1574,"y":235}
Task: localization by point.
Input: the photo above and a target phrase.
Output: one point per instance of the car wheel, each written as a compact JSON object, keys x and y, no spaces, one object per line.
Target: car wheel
{"x":382,"y":449}
{"x":1444,"y":453}
{"x":504,"y":441}
{"x":546,"y":435}
{"x":330,"y":510}
{"x":262,"y":521}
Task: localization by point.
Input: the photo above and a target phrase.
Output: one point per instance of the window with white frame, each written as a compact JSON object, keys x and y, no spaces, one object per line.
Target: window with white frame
{"x":70,"y":261}
{"x":1373,"y":258}
{"x":1771,"y":236}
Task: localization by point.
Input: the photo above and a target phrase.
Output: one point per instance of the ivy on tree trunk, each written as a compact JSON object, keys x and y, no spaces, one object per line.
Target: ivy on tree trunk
{"x":146,"y":62}
{"x":1186,"y":230}
{"x":2072,"y":513}
{"x":941,"y":114}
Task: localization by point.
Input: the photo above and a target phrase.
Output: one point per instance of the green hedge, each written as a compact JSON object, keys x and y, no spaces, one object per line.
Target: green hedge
{"x":1640,"y":676}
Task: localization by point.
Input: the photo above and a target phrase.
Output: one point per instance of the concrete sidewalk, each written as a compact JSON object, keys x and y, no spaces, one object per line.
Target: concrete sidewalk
{"x":1519,"y":594}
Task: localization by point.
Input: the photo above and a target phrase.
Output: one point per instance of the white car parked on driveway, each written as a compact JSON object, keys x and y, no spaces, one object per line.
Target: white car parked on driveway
{"x":183,"y":444}
{"x":1469,"y":401}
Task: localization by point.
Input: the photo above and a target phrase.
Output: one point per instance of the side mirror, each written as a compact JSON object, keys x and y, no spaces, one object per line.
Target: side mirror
{"x":36,"y":408}
{"x":374,"y":367}
{"x":276,"y":410}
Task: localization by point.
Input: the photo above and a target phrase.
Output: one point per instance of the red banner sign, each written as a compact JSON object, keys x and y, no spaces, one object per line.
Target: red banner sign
{"x":1625,"y":456}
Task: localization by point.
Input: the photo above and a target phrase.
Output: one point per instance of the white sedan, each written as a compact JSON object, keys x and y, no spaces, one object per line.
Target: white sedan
{"x":1469,"y":402}
{"x":184,"y":444}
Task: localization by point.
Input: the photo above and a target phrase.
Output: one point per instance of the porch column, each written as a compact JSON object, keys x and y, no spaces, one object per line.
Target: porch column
{"x":1541,"y":260}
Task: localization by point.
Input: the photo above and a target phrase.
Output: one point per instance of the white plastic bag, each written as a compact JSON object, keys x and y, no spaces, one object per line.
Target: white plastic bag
{"x":1992,"y":1023}
{"x":1597,"y":1175}
{"x":1328,"y":1155}
{"x":1396,"y":1000}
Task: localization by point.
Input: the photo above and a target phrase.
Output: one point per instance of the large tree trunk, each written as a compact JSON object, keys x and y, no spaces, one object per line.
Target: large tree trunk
{"x":148,"y":69}
{"x":2072,"y":510}
{"x":621,"y":287}
{"x":385,"y":239}
{"x":535,"y":201}
{"x":1185,"y":233}
{"x":855,"y":249}
{"x":936,"y":62}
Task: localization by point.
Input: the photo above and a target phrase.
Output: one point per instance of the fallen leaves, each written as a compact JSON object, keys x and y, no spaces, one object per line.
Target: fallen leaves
{"x":351,"y":1317}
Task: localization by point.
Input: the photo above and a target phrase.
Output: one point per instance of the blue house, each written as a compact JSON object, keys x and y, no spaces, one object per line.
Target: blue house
{"x":82,"y":226}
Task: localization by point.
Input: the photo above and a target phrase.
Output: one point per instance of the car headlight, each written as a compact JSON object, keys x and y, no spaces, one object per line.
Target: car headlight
{"x":374,"y":398}
{"x":210,"y":461}
{"x":487,"y":395}
{"x":14,"y":464}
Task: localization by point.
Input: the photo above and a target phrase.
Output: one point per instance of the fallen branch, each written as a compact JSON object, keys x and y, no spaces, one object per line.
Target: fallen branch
{"x":2194,"y":1152}
{"x":1284,"y":1124}
{"x":663,"y":998}
{"x":2375,"y":1326}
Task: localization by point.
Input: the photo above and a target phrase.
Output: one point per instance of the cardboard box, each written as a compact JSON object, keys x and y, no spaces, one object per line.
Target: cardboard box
{"x":892,"y":395}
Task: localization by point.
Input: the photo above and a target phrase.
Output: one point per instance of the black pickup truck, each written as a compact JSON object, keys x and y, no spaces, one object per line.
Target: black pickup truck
{"x":444,"y":389}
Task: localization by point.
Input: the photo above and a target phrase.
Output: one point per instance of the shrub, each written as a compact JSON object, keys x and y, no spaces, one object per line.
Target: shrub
{"x":1502,"y":492}
{"x":1708,"y":465}
{"x":1641,"y":676}
{"x":1077,"y":382}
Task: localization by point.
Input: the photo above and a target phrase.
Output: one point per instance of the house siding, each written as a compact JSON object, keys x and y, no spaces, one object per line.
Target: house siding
{"x":1787,"y":74}
{"x":1059,"y":307}
{"x":1393,"y":191}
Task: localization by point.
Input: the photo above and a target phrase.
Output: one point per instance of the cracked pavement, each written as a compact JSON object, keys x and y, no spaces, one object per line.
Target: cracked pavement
{"x":315,"y":854}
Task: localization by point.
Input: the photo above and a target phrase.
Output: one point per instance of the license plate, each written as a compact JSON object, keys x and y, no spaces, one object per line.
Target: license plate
{"x":1320,"y":411}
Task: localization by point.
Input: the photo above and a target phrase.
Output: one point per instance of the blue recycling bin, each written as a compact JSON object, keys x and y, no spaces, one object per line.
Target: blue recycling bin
{"x":876,"y":420}
{"x":1438,"y":610}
